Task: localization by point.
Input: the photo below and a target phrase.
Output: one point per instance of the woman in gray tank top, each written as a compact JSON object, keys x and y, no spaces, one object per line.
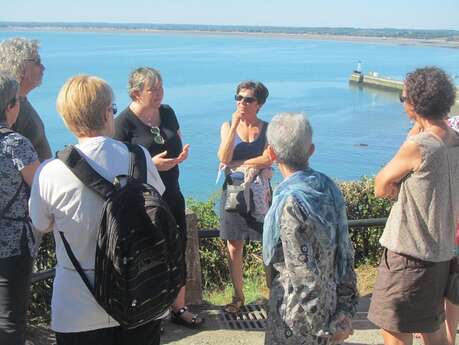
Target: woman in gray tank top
{"x":419,"y":236}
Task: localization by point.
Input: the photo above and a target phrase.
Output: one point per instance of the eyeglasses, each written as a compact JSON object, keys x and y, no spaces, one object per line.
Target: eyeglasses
{"x":402,"y":98}
{"x":249,"y":99}
{"x":157,"y":137}
{"x":36,"y":60}
{"x":114,"y":108}
{"x":11,"y":103}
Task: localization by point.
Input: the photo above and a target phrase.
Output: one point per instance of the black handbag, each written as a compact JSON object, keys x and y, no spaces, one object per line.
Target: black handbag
{"x":238,"y":198}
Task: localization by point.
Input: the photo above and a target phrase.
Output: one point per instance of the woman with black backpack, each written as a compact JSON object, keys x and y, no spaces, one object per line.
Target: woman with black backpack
{"x":62,"y":203}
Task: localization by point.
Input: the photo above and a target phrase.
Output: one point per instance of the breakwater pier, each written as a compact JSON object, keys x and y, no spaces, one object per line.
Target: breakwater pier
{"x":374,"y":80}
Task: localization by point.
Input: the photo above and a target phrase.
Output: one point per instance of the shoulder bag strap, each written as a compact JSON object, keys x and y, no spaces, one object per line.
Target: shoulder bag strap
{"x":73,"y":159}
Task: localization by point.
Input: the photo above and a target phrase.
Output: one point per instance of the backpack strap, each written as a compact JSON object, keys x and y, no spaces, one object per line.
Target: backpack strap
{"x":3,"y":132}
{"x":79,"y":166}
{"x":76,"y":264}
{"x":137,"y":162}
{"x":11,"y":201}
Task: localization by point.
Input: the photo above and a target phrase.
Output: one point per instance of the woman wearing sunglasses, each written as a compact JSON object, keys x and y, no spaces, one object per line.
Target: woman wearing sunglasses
{"x":243,"y":145}
{"x":419,"y":236}
{"x":148,"y":122}
{"x":20,"y":57}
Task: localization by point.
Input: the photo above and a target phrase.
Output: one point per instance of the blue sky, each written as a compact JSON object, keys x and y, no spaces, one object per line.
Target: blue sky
{"x":411,"y":14}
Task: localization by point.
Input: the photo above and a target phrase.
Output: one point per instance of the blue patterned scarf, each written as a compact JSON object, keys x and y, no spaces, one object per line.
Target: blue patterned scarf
{"x":320,"y":200}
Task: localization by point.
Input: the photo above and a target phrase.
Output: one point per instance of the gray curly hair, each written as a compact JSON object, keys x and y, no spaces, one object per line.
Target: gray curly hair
{"x":14,"y":53}
{"x":290,"y":136}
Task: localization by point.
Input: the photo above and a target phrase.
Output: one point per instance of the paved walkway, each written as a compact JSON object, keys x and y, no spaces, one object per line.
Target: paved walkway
{"x":217,"y":330}
{"x":215,"y":333}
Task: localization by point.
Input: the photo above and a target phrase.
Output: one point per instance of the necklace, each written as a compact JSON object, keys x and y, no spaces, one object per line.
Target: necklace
{"x":150,"y":121}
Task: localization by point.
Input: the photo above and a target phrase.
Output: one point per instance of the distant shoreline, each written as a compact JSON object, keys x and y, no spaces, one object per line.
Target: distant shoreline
{"x":434,"y":42}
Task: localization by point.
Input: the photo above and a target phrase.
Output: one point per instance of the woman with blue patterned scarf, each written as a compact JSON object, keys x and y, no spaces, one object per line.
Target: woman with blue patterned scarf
{"x":313,"y":296}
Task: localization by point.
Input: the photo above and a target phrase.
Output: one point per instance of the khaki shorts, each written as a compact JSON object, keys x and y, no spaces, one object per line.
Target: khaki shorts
{"x":408,"y":296}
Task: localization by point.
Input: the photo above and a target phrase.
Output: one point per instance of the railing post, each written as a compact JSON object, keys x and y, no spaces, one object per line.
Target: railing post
{"x":193,"y":261}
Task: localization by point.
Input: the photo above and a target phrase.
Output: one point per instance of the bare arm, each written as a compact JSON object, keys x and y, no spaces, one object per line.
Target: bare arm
{"x":416,"y":129}
{"x":29,"y":171}
{"x":407,"y":160}
{"x":259,"y":162}
{"x":227,"y":135}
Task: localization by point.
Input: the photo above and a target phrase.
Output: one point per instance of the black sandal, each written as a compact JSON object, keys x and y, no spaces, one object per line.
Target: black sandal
{"x":178,"y":319}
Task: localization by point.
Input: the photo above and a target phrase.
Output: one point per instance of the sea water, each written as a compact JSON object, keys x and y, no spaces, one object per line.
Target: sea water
{"x":356,"y":131}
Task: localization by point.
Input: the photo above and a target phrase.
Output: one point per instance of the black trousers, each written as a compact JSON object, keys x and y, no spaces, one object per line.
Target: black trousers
{"x":174,"y":198}
{"x":148,"y":334}
{"x":15,"y":273}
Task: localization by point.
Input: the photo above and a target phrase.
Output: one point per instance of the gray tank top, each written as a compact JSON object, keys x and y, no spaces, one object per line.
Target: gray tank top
{"x":422,"y":222}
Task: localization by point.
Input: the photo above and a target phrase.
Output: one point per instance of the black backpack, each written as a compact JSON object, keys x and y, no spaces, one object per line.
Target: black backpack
{"x":140,"y":264}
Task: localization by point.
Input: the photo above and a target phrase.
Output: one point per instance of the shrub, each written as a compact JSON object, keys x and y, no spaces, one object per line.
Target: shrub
{"x":213,"y":252}
{"x":39,"y":308}
{"x":361,"y":204}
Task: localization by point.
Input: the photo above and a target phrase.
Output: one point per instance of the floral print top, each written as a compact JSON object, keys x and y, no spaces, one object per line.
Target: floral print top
{"x":16,"y":152}
{"x":306,"y":298}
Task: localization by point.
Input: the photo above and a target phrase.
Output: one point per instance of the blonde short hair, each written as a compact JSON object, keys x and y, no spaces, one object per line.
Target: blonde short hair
{"x":83,"y":102}
{"x":14,"y":54}
{"x":142,"y":77}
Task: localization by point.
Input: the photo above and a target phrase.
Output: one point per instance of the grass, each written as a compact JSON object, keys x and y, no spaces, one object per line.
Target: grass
{"x":366,"y":276}
{"x":255,"y":290}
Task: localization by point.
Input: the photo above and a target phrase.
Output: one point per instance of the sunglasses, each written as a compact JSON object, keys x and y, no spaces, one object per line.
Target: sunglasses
{"x":36,"y":60}
{"x":240,"y":98}
{"x":402,"y":98}
{"x":114,"y":108}
{"x":157,"y":137}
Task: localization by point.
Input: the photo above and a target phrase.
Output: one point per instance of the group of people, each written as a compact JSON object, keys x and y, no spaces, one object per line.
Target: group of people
{"x":302,"y":223}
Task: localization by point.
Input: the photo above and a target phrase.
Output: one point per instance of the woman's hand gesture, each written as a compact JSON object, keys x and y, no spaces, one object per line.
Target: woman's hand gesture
{"x":162,"y":163}
{"x":184,"y":154}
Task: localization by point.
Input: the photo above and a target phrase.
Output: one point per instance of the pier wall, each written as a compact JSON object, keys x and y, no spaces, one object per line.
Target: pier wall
{"x":368,"y":80}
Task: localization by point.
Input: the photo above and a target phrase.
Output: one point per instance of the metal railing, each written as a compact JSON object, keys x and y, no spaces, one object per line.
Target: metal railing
{"x":212,"y":233}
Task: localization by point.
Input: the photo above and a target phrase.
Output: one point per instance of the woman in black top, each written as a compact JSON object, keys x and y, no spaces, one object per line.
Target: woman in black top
{"x":153,"y":125}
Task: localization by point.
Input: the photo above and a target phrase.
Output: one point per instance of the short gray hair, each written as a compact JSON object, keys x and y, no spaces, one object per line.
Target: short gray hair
{"x":141,"y":77}
{"x":8,"y":92}
{"x":290,"y":136}
{"x":14,"y":54}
